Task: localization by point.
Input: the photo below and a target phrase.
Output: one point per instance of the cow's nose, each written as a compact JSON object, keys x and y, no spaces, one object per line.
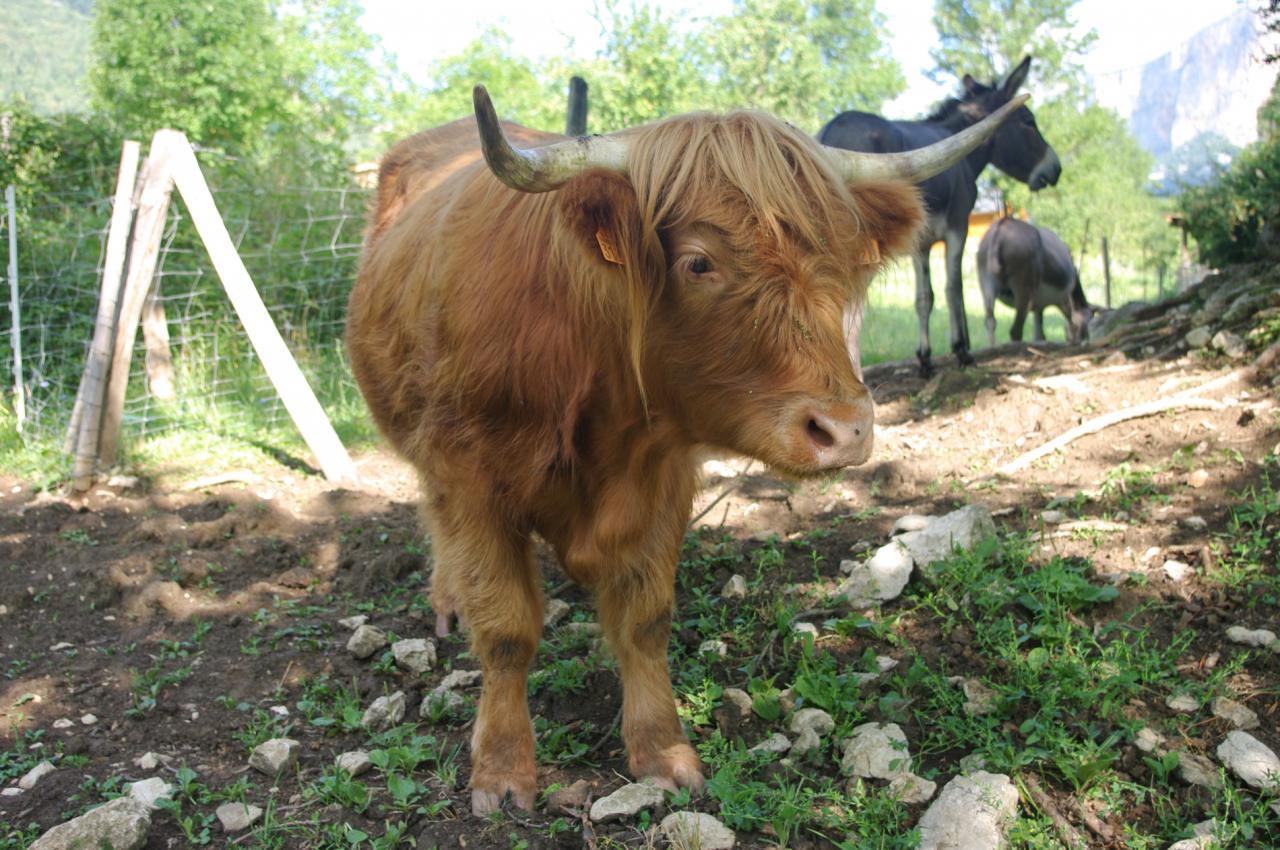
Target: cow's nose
{"x":840,"y":434}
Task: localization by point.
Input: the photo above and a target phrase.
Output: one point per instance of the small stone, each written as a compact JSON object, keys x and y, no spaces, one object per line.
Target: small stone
{"x":1253,"y":637}
{"x":1183,"y":703}
{"x":1251,"y":760}
{"x":89,"y":719}
{"x":775,"y":743}
{"x":440,"y":703}
{"x":696,"y":831}
{"x":1198,"y":479}
{"x":812,"y":720}
{"x":960,"y":529}
{"x":1149,"y":740}
{"x":150,"y":791}
{"x":63,"y":645}
{"x":1195,"y":522}
{"x":1198,"y":770}
{"x":35,"y":774}
{"x":979,"y":699}
{"x":912,"y":789}
{"x":366,"y":640}
{"x":1052,"y":517}
{"x":713,"y":647}
{"x":417,"y":655}
{"x":718,"y":469}
{"x":1198,"y":337}
{"x":1177,"y":571}
{"x":972,"y":763}
{"x":1230,"y":344}
{"x":122,"y":824}
{"x":876,"y":751}
{"x":556,"y":610}
{"x":570,"y":800}
{"x":461,"y":679}
{"x":805,"y":629}
{"x":734,"y":588}
{"x":63,"y":723}
{"x":384,"y":712}
{"x":910,"y":522}
{"x":271,"y":757}
{"x":628,"y":801}
{"x":1151,"y":554}
{"x":353,"y":623}
{"x":11,"y":792}
{"x":739,"y":698}
{"x":237,"y":817}
{"x":972,"y":812}
{"x":591,"y":629}
{"x":880,"y":578}
{"x":354,"y":762}
{"x":1234,"y":713}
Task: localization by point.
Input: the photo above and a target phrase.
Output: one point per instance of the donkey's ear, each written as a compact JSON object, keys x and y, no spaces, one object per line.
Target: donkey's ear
{"x":1017,"y":77}
{"x":971,"y":85}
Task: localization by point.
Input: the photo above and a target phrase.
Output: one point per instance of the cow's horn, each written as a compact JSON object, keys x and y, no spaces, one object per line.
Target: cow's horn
{"x":545,"y":168}
{"x":921,"y":164}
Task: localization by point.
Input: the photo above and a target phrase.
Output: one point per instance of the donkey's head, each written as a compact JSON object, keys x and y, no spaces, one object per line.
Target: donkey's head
{"x":1017,"y":148}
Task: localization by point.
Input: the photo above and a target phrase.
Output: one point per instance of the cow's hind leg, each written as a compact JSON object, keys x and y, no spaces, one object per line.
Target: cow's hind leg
{"x":488,"y":567}
{"x":635,"y":611}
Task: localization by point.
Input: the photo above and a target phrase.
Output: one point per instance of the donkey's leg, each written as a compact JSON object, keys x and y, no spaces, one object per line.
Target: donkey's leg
{"x":635,"y":611}
{"x":924,"y":306}
{"x":488,"y":569}
{"x":955,"y":239}
{"x":1021,"y":306}
{"x":1038,"y":329}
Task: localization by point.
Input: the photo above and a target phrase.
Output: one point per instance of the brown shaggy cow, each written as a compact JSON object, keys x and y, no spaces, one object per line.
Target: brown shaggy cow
{"x":551,"y":361}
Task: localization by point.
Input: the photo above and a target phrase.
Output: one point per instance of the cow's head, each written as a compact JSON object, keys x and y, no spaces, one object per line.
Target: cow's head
{"x":740,"y":244}
{"x":1017,"y":148}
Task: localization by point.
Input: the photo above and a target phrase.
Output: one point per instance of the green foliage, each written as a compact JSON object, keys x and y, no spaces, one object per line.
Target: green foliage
{"x":45,"y":45}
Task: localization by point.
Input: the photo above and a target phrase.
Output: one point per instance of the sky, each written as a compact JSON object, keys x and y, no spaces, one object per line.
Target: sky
{"x":1130,"y":32}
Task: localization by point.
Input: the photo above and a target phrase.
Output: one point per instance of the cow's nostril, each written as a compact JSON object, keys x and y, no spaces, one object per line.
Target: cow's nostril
{"x":820,"y":435}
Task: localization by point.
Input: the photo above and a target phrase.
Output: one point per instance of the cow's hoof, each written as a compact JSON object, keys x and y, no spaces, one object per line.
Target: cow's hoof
{"x":517,"y":793}
{"x":674,"y":767}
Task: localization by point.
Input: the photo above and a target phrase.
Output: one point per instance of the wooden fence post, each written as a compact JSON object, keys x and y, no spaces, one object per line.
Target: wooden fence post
{"x":155,"y":332}
{"x":1106,"y":270}
{"x":144,"y":253}
{"x":86,"y":418}
{"x":282,"y":369}
{"x":576,"y":122}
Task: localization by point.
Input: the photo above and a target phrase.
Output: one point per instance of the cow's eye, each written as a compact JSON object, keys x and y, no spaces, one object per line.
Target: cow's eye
{"x":698,"y":264}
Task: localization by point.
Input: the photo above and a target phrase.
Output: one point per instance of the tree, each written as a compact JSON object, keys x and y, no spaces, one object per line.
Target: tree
{"x":44,"y":45}
{"x":986,"y":38}
{"x":802,"y":60}
{"x":200,"y":67}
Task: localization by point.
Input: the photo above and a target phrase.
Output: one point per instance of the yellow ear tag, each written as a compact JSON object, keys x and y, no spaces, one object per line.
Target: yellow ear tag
{"x":607,"y":250}
{"x":871,"y":255}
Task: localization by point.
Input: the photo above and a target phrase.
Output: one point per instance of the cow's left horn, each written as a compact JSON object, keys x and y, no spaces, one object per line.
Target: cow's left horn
{"x":919,"y":165}
{"x":545,"y":168}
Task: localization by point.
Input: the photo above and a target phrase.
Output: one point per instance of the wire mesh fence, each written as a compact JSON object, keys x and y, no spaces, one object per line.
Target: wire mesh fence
{"x":300,"y":244}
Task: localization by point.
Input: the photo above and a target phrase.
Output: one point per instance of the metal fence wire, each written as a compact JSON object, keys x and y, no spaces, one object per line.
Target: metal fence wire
{"x":300,"y":244}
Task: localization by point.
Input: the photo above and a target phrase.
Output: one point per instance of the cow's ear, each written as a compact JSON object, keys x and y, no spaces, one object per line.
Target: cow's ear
{"x":601,"y":209}
{"x":892,"y":214}
{"x":1016,"y":77}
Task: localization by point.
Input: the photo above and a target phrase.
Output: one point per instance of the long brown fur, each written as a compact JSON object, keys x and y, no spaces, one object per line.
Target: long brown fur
{"x":541,"y":387}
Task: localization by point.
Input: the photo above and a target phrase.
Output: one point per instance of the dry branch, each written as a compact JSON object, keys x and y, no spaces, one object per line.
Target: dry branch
{"x":1070,"y":836}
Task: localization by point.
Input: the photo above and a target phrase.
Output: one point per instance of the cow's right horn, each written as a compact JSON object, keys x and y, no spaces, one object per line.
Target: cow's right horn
{"x":919,"y":165}
{"x":548,"y":167}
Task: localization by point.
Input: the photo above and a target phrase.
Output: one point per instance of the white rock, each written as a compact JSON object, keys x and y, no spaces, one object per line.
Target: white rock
{"x":1198,"y":337}
{"x":734,"y":588}
{"x":1253,"y":637}
{"x":714,"y":647}
{"x":910,"y":522}
{"x":972,"y":763}
{"x":353,"y":623}
{"x":812,"y":719}
{"x":1251,"y":760}
{"x":122,"y":824}
{"x":876,"y":751}
{"x":63,"y":723}
{"x":972,"y":813}
{"x":11,"y":792}
{"x":1052,"y":517}
{"x":1237,"y":715}
{"x":775,"y":743}
{"x":556,"y":610}
{"x":237,"y":817}
{"x":959,"y":529}
{"x":628,"y":801}
{"x":58,"y":647}
{"x":739,"y":698}
{"x":271,"y":757}
{"x":911,"y":789}
{"x":1183,"y":703}
{"x":1149,"y":740}
{"x":1195,"y":522}
{"x":35,"y":774}
{"x":1177,"y":570}
{"x":461,"y":679}
{"x":384,"y":712}
{"x":89,"y":719}
{"x":718,"y":469}
{"x":366,"y":640}
{"x":696,"y":831}
{"x":416,"y":655}
{"x":354,"y":762}
{"x":1230,"y":344}
{"x":279,"y":710}
{"x":150,"y":791}
{"x":439,"y":703}
{"x":805,"y":629}
{"x":880,"y":578}
{"x":1198,"y":770}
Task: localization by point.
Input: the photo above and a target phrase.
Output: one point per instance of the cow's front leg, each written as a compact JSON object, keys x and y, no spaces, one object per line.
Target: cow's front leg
{"x":489,"y":568}
{"x":635,"y":611}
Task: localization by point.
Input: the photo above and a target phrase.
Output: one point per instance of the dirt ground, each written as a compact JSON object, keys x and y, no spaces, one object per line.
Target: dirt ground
{"x":102,"y":598}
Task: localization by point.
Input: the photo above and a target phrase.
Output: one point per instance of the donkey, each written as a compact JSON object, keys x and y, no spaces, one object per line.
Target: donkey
{"x":1029,"y":268}
{"x":1017,"y":149}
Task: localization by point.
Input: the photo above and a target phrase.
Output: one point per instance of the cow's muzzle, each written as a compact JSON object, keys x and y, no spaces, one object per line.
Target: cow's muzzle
{"x":839,"y":435}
